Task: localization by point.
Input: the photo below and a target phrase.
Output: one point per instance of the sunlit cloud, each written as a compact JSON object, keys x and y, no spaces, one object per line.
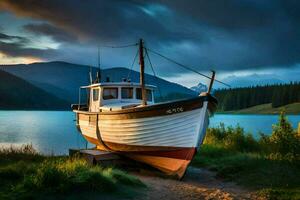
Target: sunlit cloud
{"x":8,"y":60}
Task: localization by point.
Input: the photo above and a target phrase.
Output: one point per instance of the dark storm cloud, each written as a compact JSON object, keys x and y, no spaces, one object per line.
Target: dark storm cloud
{"x":234,"y":14}
{"x":91,"y":19}
{"x":236,"y":34}
{"x":16,"y":50}
{"x":268,"y":31}
{"x":13,"y":38}
{"x":49,"y":30}
{"x":16,"y":46}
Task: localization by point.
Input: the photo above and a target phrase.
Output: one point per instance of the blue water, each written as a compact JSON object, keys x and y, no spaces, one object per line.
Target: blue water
{"x":54,"y":132}
{"x":252,"y":123}
{"x":50,"y":132}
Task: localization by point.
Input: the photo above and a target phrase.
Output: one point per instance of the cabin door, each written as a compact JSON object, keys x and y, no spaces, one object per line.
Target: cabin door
{"x":94,"y":106}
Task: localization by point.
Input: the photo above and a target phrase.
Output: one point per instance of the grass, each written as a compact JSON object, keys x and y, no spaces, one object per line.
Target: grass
{"x":249,"y":169}
{"x":26,"y":174}
{"x":270,"y":165}
{"x":293,"y":108}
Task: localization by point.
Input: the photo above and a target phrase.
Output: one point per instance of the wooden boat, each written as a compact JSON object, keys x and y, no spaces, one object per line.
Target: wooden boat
{"x":122,"y":117}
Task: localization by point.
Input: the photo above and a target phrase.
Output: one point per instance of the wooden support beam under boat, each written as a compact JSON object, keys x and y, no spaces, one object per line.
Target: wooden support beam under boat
{"x":94,"y":156}
{"x":142,"y":73}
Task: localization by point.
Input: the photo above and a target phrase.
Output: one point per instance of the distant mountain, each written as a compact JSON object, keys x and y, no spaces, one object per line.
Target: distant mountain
{"x":58,"y":78}
{"x":63,"y":79}
{"x":16,"y":93}
{"x":199,"y":88}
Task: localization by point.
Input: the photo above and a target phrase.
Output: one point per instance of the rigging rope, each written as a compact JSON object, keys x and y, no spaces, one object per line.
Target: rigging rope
{"x":131,"y":68}
{"x":147,"y":55}
{"x":120,"y":46}
{"x":184,"y":66}
{"x":165,"y":57}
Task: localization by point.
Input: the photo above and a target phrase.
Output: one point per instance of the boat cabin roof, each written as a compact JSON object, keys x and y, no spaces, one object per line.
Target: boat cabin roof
{"x":111,"y":96}
{"x":118,"y":84}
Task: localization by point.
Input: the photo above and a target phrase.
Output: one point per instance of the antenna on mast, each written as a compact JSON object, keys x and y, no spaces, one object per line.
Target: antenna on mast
{"x":98,"y":74}
{"x":90,"y":75}
{"x":99,"y":57}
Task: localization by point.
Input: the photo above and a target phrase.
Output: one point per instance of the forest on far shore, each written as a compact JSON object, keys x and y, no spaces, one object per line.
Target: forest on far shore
{"x":240,"y":98}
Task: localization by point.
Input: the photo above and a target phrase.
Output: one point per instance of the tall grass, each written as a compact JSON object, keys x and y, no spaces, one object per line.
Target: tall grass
{"x":24,"y":149}
{"x":231,"y":138}
{"x":75,"y":174}
{"x":270,"y":163}
{"x":283,"y":143}
{"x":23,"y":172}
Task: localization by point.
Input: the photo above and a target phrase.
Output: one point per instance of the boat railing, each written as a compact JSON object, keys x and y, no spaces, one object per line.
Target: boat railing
{"x":82,"y":107}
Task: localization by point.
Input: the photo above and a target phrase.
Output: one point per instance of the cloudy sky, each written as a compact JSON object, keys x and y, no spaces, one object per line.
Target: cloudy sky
{"x":245,"y":41}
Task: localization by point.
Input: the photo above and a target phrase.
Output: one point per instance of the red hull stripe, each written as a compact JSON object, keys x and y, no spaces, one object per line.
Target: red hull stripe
{"x":182,"y":154}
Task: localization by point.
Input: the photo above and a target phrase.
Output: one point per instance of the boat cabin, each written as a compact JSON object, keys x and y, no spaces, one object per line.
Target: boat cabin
{"x":112,"y":96}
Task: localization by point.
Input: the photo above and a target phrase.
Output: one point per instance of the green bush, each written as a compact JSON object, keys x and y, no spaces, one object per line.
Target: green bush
{"x":284,"y":143}
{"x":232,"y":138}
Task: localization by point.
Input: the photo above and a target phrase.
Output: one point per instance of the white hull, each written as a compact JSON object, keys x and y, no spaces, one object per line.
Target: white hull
{"x":185,"y":129}
{"x":165,"y":136}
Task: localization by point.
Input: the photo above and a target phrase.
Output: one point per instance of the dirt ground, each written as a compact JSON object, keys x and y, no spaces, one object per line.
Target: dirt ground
{"x":197,"y":184}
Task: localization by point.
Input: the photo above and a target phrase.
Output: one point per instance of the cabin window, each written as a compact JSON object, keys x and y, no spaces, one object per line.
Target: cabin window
{"x":127,"y":93}
{"x":95,"y":94}
{"x":149,"y":95}
{"x":139,"y":94}
{"x":110,"y":93}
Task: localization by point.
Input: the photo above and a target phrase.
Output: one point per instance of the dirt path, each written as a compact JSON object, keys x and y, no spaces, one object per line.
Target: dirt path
{"x":197,"y":184}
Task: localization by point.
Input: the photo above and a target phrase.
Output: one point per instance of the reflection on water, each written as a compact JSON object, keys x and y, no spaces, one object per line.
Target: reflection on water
{"x":55,"y":131}
{"x":48,"y":131}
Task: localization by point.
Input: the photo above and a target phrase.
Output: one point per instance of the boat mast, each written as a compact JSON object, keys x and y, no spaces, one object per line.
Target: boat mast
{"x":142,"y":73}
{"x":211,"y":81}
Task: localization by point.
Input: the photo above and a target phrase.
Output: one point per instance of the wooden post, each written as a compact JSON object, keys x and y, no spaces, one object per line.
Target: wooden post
{"x":299,"y":129}
{"x":142,"y":73}
{"x":211,"y":81}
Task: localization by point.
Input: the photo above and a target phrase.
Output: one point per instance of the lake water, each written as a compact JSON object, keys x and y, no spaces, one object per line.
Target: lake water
{"x":54,"y":132}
